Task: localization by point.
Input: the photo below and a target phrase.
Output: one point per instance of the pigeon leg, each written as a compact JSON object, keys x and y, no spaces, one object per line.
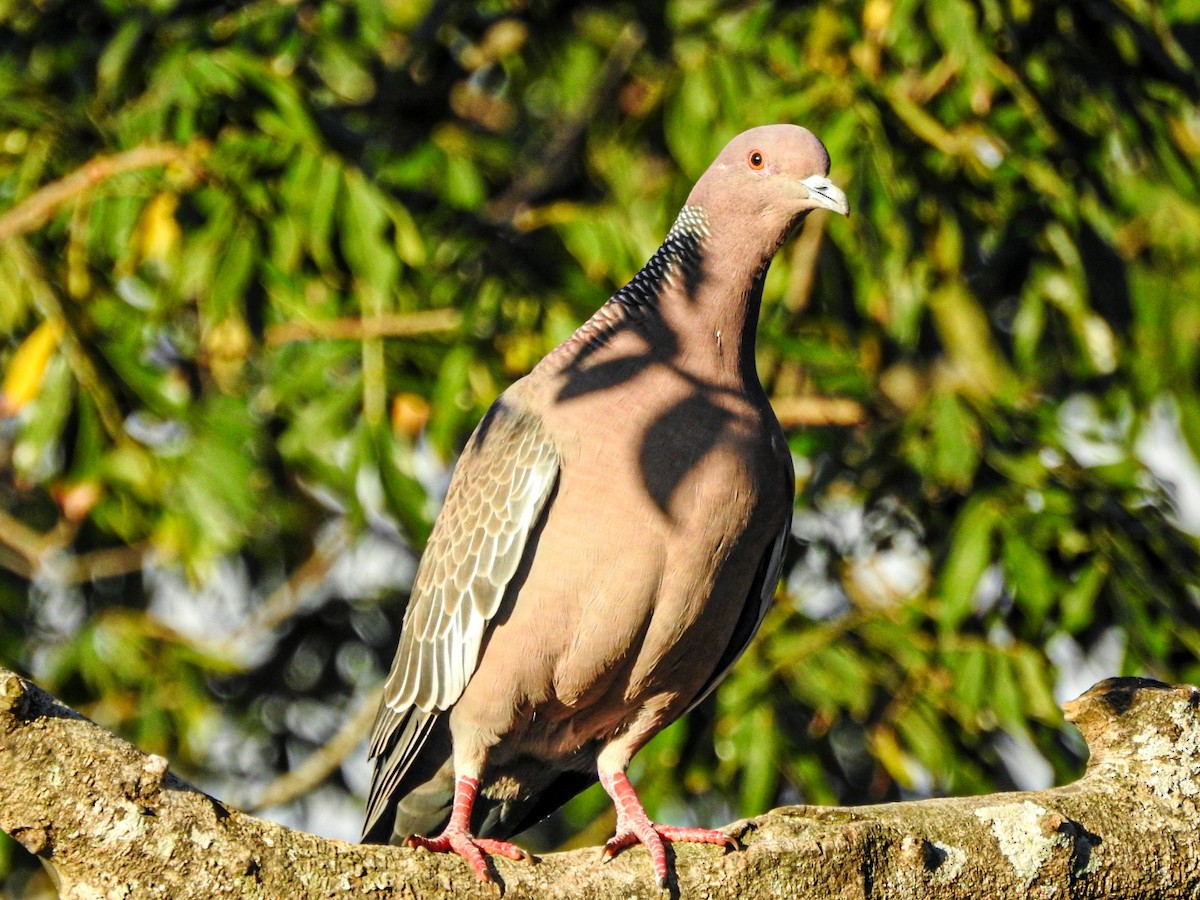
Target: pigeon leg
{"x":634,"y":826}
{"x":457,"y":837}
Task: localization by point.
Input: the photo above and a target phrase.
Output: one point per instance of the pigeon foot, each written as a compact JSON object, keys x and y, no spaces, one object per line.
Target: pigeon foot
{"x":474,"y":850}
{"x":635,"y":827}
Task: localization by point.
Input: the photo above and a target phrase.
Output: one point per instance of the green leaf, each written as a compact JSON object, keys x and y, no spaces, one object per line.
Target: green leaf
{"x":406,"y":498}
{"x":1079,"y":598}
{"x":970,"y":679}
{"x":1035,"y":675}
{"x":761,"y":774}
{"x":1028,"y":573}
{"x":971,"y":552}
{"x":233,"y":273}
{"x":363,"y":218}
{"x":956,"y":442}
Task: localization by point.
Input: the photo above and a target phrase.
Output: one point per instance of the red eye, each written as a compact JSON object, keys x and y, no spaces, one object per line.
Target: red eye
{"x":756,"y":160}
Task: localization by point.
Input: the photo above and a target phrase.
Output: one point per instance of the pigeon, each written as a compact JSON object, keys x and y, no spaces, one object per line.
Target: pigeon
{"x":610,"y":541}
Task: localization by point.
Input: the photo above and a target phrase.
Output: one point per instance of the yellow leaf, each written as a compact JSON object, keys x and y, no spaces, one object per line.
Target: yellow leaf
{"x":78,"y":499}
{"x":23,"y":379}
{"x":158,"y":233}
{"x":410,"y":412}
{"x":226,"y":345}
{"x":891,"y":755}
{"x":876,"y":15}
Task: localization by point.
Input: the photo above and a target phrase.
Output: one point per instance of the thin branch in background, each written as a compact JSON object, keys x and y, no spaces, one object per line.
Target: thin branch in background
{"x":286,"y":599}
{"x":28,"y":544}
{"x":109,"y":563}
{"x":796,"y":412}
{"x":374,"y":366}
{"x":15,"y":562}
{"x":35,"y":210}
{"x":27,"y":552}
{"x":83,"y":367}
{"x":806,"y":250}
{"x":35,"y":549}
{"x":322,"y":762}
{"x":387,"y":325}
{"x":549,"y":171}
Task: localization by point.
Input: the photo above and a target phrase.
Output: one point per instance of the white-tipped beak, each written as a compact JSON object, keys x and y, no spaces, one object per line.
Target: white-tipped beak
{"x":825,"y":193}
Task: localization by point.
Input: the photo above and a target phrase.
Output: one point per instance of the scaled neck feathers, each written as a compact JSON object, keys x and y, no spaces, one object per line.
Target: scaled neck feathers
{"x":678,"y":257}
{"x":682,"y":300}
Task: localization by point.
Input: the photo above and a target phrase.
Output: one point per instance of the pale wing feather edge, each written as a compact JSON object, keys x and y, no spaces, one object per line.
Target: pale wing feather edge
{"x":499,"y":489}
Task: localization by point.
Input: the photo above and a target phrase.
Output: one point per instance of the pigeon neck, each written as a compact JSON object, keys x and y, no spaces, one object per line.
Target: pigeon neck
{"x":705,"y":286}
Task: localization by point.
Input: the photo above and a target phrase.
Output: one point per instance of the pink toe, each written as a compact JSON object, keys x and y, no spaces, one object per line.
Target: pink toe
{"x":694,"y":835}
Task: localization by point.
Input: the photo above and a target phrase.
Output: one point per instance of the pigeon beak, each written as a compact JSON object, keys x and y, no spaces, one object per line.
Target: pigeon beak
{"x":824,"y":193}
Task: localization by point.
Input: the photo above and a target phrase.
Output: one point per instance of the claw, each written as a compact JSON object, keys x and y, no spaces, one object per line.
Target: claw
{"x":634,"y":826}
{"x":474,"y":850}
{"x":457,"y":837}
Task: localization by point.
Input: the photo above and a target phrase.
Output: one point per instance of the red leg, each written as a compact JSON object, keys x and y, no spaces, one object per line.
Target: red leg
{"x":457,"y":837}
{"x":634,"y":826}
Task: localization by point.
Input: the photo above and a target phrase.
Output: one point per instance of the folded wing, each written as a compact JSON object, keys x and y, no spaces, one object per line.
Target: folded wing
{"x":497,"y":494}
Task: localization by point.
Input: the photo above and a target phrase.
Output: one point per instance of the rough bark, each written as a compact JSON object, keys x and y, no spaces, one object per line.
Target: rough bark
{"x":111,"y":822}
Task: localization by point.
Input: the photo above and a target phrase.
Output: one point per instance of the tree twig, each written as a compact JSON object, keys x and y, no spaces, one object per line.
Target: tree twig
{"x":34,"y":211}
{"x":283,"y":602}
{"x":317,"y":767}
{"x":808,"y":410}
{"x":108,"y":563}
{"x":28,"y":544}
{"x":546,"y":172}
{"x":27,"y":552}
{"x":387,"y":325}
{"x":83,"y":367}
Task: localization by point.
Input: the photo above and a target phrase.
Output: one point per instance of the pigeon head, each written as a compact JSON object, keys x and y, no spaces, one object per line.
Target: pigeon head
{"x":766,"y":179}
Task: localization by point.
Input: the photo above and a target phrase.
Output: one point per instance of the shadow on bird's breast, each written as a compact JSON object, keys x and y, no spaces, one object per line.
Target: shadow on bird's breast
{"x":602,"y":376}
{"x":677,"y":443}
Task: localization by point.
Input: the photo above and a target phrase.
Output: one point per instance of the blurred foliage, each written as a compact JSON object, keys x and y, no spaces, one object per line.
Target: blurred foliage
{"x":264,"y":265}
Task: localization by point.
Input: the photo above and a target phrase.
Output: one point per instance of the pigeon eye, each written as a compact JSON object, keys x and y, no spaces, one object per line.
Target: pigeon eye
{"x":756,"y":160}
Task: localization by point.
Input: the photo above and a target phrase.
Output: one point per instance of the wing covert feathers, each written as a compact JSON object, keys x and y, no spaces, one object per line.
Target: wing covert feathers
{"x":497,"y":492}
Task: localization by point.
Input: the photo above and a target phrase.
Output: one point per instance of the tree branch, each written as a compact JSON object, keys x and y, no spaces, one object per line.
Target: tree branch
{"x":35,"y":210}
{"x":382,"y":325}
{"x":809,"y":411}
{"x":549,"y":168}
{"x":321,"y":763}
{"x":111,"y":821}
